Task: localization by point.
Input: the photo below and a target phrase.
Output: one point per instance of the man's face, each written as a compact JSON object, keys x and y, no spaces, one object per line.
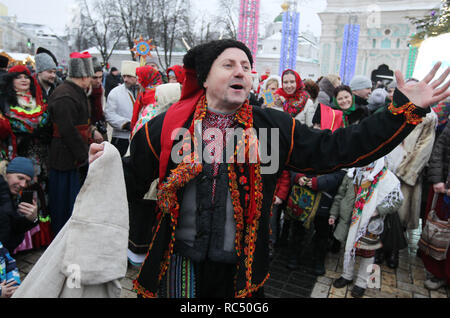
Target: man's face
{"x":229,"y":80}
{"x":129,"y":81}
{"x":363,"y":93}
{"x":97,"y":79}
{"x":47,"y":77}
{"x":17,"y":182}
{"x":115,"y":73}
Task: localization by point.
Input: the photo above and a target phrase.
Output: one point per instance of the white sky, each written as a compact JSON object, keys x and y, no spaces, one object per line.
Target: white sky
{"x":55,"y":13}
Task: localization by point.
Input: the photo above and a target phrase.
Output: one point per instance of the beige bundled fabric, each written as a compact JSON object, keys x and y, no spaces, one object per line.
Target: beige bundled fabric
{"x":417,"y":151}
{"x":89,"y":256}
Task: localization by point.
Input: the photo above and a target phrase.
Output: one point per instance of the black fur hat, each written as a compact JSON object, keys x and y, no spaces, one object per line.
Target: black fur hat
{"x":201,"y":57}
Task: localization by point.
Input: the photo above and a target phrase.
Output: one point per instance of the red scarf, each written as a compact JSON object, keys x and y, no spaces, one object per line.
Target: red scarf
{"x":296,"y":101}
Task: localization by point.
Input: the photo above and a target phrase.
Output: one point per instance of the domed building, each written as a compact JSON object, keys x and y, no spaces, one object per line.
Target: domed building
{"x":384,"y":34}
{"x":269,"y":47}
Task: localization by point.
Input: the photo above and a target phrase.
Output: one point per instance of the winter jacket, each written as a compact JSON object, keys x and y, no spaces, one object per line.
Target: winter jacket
{"x":439,"y":164}
{"x":13,"y":226}
{"x":70,"y":113}
{"x":119,"y":110}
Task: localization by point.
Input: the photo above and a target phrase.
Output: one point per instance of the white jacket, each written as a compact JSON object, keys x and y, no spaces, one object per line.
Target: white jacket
{"x":88,"y":257}
{"x":119,"y":110}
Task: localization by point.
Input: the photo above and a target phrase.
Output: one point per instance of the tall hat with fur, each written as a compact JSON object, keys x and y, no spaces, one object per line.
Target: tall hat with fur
{"x":45,"y":60}
{"x":80,"y":65}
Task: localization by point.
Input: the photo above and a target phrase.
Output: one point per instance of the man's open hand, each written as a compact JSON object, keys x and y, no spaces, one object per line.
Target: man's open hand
{"x":424,"y":93}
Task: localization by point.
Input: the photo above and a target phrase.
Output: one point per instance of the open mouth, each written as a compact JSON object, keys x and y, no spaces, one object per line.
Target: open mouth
{"x":237,"y":86}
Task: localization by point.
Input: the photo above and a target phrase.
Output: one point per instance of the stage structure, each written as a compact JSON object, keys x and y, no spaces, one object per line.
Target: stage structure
{"x":248,"y":24}
{"x":289,"y":38}
{"x":349,"y":52}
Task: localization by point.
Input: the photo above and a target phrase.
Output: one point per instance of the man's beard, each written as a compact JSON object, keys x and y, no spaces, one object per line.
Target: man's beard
{"x":48,"y":83}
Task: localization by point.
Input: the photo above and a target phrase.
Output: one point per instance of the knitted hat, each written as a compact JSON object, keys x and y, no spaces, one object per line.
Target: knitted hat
{"x":4,"y":61}
{"x":21,"y":165}
{"x":45,"y":60}
{"x":80,"y":65}
{"x":360,"y":82}
{"x":129,"y":68}
{"x":201,"y":57}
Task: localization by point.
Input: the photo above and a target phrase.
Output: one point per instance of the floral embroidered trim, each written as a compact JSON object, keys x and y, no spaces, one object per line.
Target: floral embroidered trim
{"x":364,"y":194}
{"x":247,"y":292}
{"x":137,"y":288}
{"x":408,"y":111}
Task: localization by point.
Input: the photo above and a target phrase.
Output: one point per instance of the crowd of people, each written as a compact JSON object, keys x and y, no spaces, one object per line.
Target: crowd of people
{"x":358,"y":188}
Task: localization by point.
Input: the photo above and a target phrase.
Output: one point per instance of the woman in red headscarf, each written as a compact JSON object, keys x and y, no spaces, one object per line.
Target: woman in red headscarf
{"x":175,"y":74}
{"x":25,"y":131}
{"x":148,"y":78}
{"x":292,"y":95}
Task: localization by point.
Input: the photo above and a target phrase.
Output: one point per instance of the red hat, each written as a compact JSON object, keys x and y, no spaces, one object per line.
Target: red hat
{"x":19,"y":69}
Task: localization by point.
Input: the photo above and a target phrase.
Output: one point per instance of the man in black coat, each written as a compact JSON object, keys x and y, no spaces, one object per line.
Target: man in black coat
{"x":213,"y":217}
{"x":16,"y":218}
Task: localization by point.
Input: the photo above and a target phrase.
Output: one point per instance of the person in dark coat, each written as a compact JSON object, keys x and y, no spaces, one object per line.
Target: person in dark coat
{"x":16,"y":218}
{"x":439,"y":177}
{"x":223,"y":239}
{"x":113,"y":79}
{"x":70,"y":113}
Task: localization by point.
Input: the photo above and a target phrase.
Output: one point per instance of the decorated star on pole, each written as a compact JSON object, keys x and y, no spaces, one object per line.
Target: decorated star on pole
{"x":143,"y":48}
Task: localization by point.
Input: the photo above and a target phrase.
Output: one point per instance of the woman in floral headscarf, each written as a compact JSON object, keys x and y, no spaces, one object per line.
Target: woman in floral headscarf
{"x":292,"y":95}
{"x":25,"y":131}
{"x":149,"y":78}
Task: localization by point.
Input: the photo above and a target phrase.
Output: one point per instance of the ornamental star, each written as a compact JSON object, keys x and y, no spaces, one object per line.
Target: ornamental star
{"x":143,"y":48}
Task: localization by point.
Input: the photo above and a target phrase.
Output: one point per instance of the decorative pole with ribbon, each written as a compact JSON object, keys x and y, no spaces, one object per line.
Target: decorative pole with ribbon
{"x":349,"y":52}
{"x":248,"y":24}
{"x":289,"y":39}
